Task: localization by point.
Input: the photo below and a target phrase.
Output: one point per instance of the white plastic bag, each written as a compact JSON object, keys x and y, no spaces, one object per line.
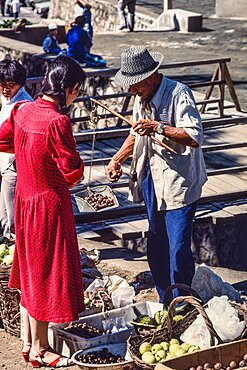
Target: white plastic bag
{"x":121,"y":293}
{"x":225,"y":321}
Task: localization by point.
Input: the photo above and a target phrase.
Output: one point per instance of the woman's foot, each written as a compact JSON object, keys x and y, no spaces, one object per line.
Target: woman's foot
{"x":48,"y":358}
{"x":26,"y":351}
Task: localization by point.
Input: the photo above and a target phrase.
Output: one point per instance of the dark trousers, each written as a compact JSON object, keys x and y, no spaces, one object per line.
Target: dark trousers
{"x":169,"y":241}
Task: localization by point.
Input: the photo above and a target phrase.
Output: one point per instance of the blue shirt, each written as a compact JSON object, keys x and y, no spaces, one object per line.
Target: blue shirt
{"x":78,"y":43}
{"x":51,"y":45}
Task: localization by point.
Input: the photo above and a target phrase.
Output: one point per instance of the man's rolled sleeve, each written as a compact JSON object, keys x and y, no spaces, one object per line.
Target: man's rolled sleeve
{"x":188,"y":117}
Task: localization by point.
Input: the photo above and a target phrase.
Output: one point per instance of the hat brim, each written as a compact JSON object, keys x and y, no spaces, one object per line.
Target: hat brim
{"x":126,"y":81}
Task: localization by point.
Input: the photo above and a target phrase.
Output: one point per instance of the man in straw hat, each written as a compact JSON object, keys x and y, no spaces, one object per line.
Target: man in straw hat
{"x":168,"y":180}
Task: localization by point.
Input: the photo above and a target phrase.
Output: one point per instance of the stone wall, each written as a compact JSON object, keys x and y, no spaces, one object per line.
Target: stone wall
{"x":24,"y":53}
{"x":231,"y":8}
{"x":104,"y":15}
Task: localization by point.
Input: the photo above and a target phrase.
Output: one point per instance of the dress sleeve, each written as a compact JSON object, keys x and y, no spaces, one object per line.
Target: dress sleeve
{"x":62,"y":147}
{"x":7,"y":135}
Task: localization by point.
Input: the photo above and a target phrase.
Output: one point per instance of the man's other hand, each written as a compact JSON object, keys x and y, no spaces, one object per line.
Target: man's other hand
{"x":113,"y":171}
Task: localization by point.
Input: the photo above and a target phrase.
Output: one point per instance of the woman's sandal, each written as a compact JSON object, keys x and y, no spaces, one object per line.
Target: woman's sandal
{"x":25,"y":354}
{"x":61,"y":361}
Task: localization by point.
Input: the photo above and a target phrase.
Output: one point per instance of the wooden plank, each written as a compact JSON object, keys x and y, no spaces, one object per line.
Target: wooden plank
{"x":124,"y":230}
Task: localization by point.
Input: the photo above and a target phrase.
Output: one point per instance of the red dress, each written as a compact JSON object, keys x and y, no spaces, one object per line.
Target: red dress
{"x":46,"y":265}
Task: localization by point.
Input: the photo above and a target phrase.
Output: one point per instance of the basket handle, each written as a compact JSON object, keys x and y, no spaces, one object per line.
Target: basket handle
{"x":195,"y":303}
{"x":184,"y":287}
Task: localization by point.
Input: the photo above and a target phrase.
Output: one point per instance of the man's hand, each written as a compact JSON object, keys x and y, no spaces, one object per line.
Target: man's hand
{"x":145,"y":126}
{"x":113,"y":171}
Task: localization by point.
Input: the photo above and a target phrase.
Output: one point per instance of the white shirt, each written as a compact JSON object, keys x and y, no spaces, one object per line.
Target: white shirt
{"x":15,"y":6}
{"x":178,"y":178}
{"x":6,"y":159}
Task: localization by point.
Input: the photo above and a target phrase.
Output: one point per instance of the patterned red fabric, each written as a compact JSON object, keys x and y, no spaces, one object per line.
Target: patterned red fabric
{"x":46,"y":265}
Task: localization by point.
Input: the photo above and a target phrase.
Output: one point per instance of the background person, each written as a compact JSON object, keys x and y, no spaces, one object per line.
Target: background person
{"x":12,"y":81}
{"x":50,"y":43}
{"x":82,"y":7}
{"x":79,"y":45}
{"x":170,"y":184}
{"x":16,"y":8}
{"x":2,"y":3}
{"x":126,"y":20}
{"x":21,"y":25}
{"x":46,"y":265}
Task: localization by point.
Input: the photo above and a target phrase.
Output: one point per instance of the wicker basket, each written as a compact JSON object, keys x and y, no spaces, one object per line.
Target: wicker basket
{"x":9,"y":304}
{"x":171,"y":330}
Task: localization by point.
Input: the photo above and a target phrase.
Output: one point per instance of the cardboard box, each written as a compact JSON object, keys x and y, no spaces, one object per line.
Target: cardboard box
{"x":224,"y":353}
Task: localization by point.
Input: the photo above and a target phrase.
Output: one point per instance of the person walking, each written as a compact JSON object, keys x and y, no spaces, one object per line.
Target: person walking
{"x":127,"y":20}
{"x":169,"y":183}
{"x":2,"y":3}
{"x":46,"y":266}
{"x":12,"y":81}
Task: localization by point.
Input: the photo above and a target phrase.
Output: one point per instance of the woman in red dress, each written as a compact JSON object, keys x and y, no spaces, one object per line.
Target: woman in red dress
{"x":46,"y":265}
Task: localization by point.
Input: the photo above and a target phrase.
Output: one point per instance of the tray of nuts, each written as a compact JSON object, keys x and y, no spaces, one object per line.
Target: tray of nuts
{"x":96,"y":199}
{"x":113,"y":357}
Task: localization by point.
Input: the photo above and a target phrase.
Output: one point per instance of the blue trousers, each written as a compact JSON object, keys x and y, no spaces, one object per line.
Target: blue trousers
{"x":169,"y":241}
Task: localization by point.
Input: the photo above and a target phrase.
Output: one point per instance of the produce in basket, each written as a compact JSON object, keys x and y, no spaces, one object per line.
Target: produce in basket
{"x":145,"y":323}
{"x":169,"y":336}
{"x":82,"y":329}
{"x":159,"y":352}
{"x":6,"y":254}
{"x":100,"y":357}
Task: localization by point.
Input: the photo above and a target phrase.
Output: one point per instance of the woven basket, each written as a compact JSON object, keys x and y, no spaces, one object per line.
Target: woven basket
{"x":171,"y":330}
{"x":9,"y":304}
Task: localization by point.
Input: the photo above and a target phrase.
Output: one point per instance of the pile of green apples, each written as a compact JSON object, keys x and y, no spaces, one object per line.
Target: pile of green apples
{"x":7,"y":254}
{"x":160,"y":352}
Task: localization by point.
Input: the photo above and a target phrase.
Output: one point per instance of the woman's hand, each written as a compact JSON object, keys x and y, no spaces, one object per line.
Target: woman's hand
{"x":145,"y":126}
{"x":113,"y":171}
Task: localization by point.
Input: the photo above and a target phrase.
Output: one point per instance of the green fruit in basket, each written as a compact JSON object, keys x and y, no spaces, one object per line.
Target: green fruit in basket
{"x":169,"y":356}
{"x":185,"y":346}
{"x":193,"y":349}
{"x":156,"y":347}
{"x":174,"y":341}
{"x":176,"y":318}
{"x":180,"y":352}
{"x":165,"y":345}
{"x":160,"y":316}
{"x":8,"y":260}
{"x":145,"y":347}
{"x":148,"y":357}
{"x":146,"y":320}
{"x":12,"y":249}
{"x":3,"y":250}
{"x":173,"y":348}
{"x":160,"y":355}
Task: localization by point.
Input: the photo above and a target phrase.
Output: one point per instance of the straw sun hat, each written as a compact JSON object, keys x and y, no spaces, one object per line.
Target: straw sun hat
{"x":137,"y":63}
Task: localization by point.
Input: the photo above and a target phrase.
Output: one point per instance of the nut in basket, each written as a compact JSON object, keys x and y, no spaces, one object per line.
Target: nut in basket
{"x":96,"y":199}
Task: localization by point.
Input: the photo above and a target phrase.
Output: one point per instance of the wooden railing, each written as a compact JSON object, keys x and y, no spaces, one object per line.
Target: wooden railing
{"x":220,"y":79}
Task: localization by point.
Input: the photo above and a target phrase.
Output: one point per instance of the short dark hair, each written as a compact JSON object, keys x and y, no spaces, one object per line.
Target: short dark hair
{"x":11,"y":70}
{"x":62,"y":72}
{"x":80,"y":20}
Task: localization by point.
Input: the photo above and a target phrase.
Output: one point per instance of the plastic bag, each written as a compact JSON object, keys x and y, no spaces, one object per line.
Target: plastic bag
{"x":225,"y":321}
{"x":121,"y":293}
{"x":208,"y":285}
